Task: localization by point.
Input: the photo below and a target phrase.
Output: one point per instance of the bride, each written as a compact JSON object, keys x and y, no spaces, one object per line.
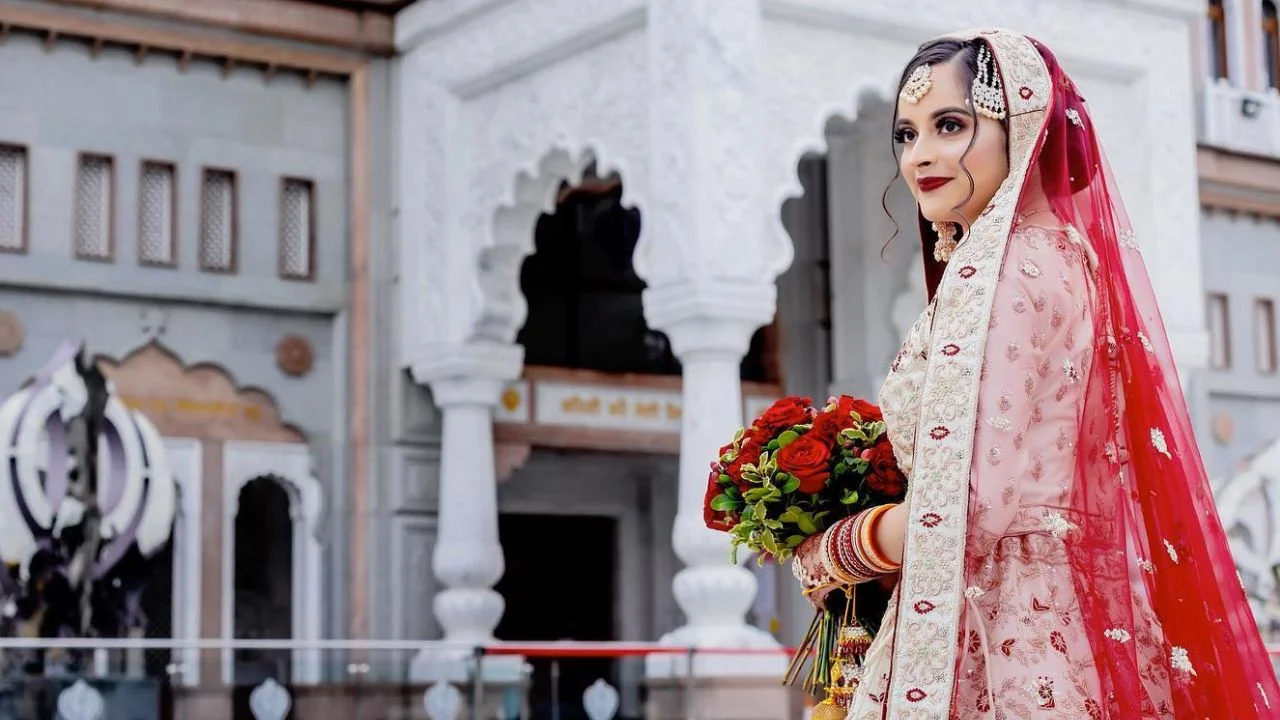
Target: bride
{"x":1059,"y":551}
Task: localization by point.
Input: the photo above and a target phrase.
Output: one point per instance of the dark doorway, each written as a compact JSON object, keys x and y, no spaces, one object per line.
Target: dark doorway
{"x":559,"y":584}
{"x":263,"y":580}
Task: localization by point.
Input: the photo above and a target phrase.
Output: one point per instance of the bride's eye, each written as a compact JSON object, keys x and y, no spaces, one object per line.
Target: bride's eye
{"x":904,"y":135}
{"x":948,"y":125}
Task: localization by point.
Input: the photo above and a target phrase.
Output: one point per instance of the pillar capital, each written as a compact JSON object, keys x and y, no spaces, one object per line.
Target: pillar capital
{"x":468,"y":374}
{"x":710,"y":315}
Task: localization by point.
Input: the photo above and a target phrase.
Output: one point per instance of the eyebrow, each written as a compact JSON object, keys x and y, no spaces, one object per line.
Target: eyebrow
{"x":938,"y":113}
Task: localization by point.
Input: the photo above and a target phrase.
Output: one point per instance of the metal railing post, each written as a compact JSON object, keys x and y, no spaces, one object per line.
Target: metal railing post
{"x":555,"y":688}
{"x":690,"y":702}
{"x":477,"y":683}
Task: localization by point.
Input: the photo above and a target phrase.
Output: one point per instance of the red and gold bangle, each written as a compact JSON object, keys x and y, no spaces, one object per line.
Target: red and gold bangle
{"x":865,"y":546}
{"x":852,"y":563}
{"x":831,"y":556}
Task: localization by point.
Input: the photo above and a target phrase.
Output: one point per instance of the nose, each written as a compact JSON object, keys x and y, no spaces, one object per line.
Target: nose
{"x":921,"y":154}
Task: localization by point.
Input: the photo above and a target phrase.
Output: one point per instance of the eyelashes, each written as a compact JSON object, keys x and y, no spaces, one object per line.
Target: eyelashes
{"x":945,"y":125}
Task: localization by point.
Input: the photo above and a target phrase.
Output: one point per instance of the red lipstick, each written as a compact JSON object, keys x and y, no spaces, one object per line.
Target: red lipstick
{"x":931,"y":183}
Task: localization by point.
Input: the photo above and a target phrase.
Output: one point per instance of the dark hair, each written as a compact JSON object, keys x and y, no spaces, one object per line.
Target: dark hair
{"x":936,"y":52}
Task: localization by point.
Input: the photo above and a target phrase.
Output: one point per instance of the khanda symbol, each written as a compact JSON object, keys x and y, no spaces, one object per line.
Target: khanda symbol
{"x":86,"y":499}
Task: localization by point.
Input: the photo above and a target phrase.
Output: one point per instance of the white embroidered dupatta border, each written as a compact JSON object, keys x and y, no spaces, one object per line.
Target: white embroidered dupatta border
{"x":930,"y":593}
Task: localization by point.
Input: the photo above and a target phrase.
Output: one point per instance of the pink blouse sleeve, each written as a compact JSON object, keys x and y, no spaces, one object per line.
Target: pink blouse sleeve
{"x":1034,"y":310}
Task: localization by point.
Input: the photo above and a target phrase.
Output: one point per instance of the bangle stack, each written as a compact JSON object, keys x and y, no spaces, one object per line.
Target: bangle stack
{"x":849,"y":551}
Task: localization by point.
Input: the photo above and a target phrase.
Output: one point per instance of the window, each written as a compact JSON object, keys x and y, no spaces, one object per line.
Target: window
{"x":218,"y":221}
{"x":94,"y":238}
{"x":1264,"y":334}
{"x":1217,"y":55}
{"x":1271,"y":43}
{"x":297,"y":229}
{"x":157,"y":215}
{"x":1219,"y":332}
{"x":13,"y":198}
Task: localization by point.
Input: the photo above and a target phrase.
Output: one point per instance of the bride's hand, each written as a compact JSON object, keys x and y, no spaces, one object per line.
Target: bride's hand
{"x":808,"y":569}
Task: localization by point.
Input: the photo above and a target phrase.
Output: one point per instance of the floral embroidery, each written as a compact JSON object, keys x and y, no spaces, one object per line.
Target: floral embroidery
{"x":972,"y":592}
{"x":968,"y":271}
{"x":1147,"y":565}
{"x":1057,"y":525}
{"x":939,"y":433}
{"x":1129,"y":239}
{"x":1180,"y":661}
{"x":1159,"y":443}
{"x":994,"y":455}
{"x":1000,"y":423}
{"x":1146,"y":342}
{"x":1042,"y":690}
{"x":1119,"y":635}
{"x":1029,"y":269}
{"x":924,"y":607}
{"x":1074,"y":116}
{"x":1013,"y":352}
{"x":1071,"y":371}
{"x":1173,"y":553}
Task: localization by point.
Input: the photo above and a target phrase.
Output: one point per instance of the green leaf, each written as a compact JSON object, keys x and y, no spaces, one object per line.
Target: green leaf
{"x":850,"y":497}
{"x":768,"y":542}
{"x":773,"y":524}
{"x":806,"y":524}
{"x":723,"y":502}
{"x":790,"y":515}
{"x":755,"y":494}
{"x":791,"y":485}
{"x":796,"y":541}
{"x":787,"y":438}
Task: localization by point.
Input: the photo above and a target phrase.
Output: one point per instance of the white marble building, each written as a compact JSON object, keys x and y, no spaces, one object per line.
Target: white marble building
{"x":751,"y":136}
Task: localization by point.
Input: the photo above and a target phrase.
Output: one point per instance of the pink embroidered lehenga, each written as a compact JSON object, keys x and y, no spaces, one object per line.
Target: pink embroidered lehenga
{"x":1063,"y":555}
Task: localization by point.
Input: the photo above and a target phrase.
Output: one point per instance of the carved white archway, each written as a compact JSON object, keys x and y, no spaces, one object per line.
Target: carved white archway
{"x":1249,"y":505}
{"x":562,"y":79}
{"x":290,"y":465}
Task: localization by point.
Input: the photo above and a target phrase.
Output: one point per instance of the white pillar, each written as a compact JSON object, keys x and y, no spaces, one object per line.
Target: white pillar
{"x":710,"y":324}
{"x":466,"y":384}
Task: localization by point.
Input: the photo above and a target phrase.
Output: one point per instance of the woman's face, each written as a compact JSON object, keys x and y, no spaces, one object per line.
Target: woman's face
{"x":934,"y":134}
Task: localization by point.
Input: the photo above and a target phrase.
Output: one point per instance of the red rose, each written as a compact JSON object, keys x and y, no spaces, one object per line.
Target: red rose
{"x":884,"y":476}
{"x":783,"y":414}
{"x":809,"y":460}
{"x":749,"y":454}
{"x":714,"y":519}
{"x":867,"y":411}
{"x":828,"y":424}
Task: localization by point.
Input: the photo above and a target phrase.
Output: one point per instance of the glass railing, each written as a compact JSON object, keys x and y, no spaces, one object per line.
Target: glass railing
{"x":349,"y":680}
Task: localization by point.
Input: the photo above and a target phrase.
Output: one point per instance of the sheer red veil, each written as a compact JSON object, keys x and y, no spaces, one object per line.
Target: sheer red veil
{"x":1147,"y":524}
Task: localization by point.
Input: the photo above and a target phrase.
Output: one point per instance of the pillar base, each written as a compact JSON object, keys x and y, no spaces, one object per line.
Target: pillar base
{"x":709,"y":698}
{"x":707,"y":663}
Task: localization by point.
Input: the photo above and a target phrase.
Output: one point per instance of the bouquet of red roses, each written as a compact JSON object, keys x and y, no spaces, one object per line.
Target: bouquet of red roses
{"x":791,"y":474}
{"x":796,"y":469}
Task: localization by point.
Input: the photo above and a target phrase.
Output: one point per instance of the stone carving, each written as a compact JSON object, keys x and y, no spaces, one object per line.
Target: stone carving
{"x":81,"y":701}
{"x":442,"y":701}
{"x":270,"y":701}
{"x":600,"y":701}
{"x":294,"y":356}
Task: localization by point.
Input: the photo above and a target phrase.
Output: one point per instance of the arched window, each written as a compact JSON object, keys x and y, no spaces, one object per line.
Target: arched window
{"x":583,"y":293}
{"x":1217,"y":55}
{"x":1271,"y":43}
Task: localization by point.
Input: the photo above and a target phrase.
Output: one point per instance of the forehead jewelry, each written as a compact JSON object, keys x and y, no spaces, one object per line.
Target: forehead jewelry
{"x":918,"y":84}
{"x":988,"y":90}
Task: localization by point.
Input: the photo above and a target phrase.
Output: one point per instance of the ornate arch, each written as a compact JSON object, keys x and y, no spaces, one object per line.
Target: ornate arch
{"x":1249,"y":505}
{"x":203,"y":400}
{"x":290,"y":465}
{"x":533,"y":193}
{"x":476,"y":131}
